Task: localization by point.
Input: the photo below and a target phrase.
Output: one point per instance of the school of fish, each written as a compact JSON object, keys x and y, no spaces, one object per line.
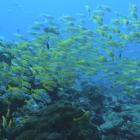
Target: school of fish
{"x":65,"y":54}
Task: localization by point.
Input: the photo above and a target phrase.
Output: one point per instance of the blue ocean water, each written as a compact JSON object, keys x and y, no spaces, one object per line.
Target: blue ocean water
{"x":17,"y":15}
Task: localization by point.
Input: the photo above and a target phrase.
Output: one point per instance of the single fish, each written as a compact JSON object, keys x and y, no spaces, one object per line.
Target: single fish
{"x":120,"y":55}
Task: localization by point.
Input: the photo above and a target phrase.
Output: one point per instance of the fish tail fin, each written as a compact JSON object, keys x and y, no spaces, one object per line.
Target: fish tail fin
{"x":62,"y":71}
{"x":38,"y":51}
{"x":92,"y":16}
{"x":13,"y":95}
{"x":131,"y":63}
{"x":44,"y":83}
{"x":71,"y":37}
{"x":93,"y":59}
{"x":22,"y":82}
{"x":97,"y":5}
{"x":114,"y":84}
{"x":130,"y":6}
{"x":53,"y":52}
{"x":87,"y":113}
{"x":31,"y":90}
{"x":97,"y":29}
{"x":24,"y":120}
{"x":58,"y":81}
{"x":56,"y":54}
{"x":122,"y":35}
{"x":25,"y":100}
{"x":133,"y":79}
{"x":75,"y":63}
{"x":66,"y":28}
{"x":36,"y":40}
{"x":74,"y":119}
{"x":101,"y":55}
{"x":69,"y":53}
{"x":9,"y":87}
{"x":33,"y":68}
{"x":35,"y":22}
{"x":80,"y":32}
{"x":121,"y":20}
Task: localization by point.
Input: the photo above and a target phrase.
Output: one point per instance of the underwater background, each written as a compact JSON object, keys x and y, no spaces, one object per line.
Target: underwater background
{"x":70,"y":70}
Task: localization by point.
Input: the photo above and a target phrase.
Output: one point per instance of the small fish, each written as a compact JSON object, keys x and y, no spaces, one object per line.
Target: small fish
{"x":21,"y":109}
{"x":88,"y":9}
{"x":100,"y":59}
{"x":34,"y":27}
{"x":49,"y":88}
{"x":120,"y":55}
{"x":132,"y":95}
{"x":91,"y":73}
{"x":6,"y":101}
{"x":134,"y":7}
{"x":9,"y":125}
{"x":32,"y":118}
{"x":70,"y":18}
{"x":81,"y":118}
{"x":47,"y":16}
{"x":28,"y":102}
{"x":105,"y":8}
{"x":35,"y":95}
{"x":127,"y":37}
{"x":48,"y":45}
{"x":116,"y":72}
{"x":8,"y":113}
{"x":110,"y":115}
{"x":4,"y":122}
